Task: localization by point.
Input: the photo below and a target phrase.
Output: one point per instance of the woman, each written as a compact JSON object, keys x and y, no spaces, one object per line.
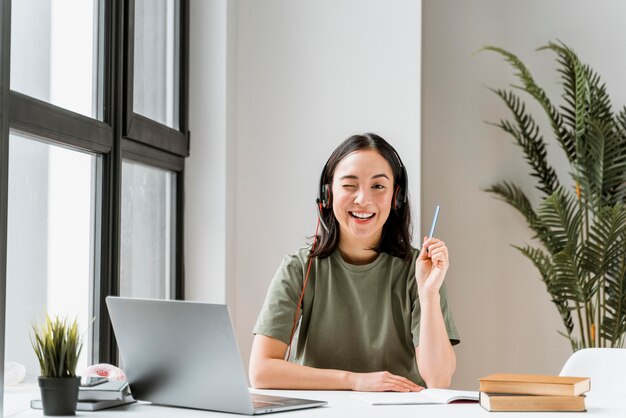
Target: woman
{"x":374,"y":314}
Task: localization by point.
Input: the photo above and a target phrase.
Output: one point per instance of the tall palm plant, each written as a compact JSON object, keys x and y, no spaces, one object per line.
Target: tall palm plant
{"x":580,"y":224}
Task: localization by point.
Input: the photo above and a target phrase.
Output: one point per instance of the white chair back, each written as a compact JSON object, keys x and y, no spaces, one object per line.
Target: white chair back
{"x":605,"y":366}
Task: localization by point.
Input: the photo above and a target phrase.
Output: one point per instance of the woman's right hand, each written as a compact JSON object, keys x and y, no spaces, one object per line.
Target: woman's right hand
{"x":382,"y":382}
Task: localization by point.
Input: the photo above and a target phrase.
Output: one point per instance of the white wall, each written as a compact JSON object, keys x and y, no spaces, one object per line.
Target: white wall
{"x":504,"y":315}
{"x":205,"y":170}
{"x":275,"y":87}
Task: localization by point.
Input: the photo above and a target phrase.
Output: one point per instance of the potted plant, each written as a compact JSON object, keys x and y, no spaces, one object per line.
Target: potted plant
{"x":57,"y":346}
{"x":580,"y":222}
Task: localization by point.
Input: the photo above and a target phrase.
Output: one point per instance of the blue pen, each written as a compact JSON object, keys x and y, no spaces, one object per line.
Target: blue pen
{"x":432,"y":227}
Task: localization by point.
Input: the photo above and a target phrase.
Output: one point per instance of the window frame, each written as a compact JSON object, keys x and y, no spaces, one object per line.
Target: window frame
{"x":140,"y":128}
{"x":120,"y":135}
{"x":5,"y":54}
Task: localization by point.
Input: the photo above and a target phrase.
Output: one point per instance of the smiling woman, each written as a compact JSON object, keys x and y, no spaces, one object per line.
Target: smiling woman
{"x":370,"y":297}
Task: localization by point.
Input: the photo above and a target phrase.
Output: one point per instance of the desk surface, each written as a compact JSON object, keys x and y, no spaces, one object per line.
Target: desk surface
{"x":340,"y":404}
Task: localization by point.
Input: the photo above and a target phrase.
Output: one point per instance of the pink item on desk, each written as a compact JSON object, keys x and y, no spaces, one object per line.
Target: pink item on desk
{"x":106,"y":370}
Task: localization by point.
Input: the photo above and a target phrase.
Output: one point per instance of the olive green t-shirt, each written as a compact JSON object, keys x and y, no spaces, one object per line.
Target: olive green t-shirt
{"x":360,"y":318}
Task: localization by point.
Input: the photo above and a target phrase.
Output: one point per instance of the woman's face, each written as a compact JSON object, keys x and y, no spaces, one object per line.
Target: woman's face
{"x":362,"y":191}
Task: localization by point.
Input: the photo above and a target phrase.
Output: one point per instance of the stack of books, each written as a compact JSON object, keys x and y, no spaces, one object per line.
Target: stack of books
{"x":93,"y":398}
{"x":532,"y":392}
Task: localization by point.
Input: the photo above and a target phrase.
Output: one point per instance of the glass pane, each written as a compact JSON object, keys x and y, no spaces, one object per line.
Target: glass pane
{"x":55,"y":53}
{"x":147,"y":231}
{"x":51,"y":247}
{"x":157,"y":48}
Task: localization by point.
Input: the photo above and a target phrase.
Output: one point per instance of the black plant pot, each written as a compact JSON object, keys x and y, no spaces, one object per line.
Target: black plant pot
{"x":59,"y":395}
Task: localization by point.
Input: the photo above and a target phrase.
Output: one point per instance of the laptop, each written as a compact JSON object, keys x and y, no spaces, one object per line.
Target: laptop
{"x":185,"y":354}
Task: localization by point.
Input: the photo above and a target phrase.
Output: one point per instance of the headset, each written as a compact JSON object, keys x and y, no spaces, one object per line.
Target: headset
{"x":324,"y":202}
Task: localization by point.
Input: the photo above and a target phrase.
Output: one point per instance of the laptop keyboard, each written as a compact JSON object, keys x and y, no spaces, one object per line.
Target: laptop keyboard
{"x":263,"y":404}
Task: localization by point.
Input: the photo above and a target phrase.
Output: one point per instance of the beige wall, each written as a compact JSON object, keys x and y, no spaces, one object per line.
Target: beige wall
{"x":506,"y":320}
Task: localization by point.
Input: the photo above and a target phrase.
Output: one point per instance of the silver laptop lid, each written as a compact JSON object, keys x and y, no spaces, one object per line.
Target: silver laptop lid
{"x":180,"y":353}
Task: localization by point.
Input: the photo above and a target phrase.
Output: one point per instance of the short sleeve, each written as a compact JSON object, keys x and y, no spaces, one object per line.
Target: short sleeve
{"x":277,"y":315}
{"x":445,"y":310}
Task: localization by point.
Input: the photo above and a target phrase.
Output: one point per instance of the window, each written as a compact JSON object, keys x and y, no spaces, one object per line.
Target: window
{"x":148,"y":231}
{"x":50,"y":242}
{"x":92,"y":159}
{"x":156,"y":61}
{"x":55,"y":60}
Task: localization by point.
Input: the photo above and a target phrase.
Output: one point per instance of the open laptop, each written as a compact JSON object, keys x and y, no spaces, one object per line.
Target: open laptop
{"x":185,"y":354}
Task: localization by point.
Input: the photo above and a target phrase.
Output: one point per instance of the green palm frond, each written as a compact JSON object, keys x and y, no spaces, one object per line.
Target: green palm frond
{"x":606,"y":124}
{"x":608,"y":241}
{"x":527,"y":136}
{"x":560,"y":217}
{"x":614,"y":321}
{"x":581,"y":227}
{"x":544,"y":264}
{"x":589,"y":115}
{"x":620,"y":118}
{"x":604,"y":246}
{"x":599,"y":106}
{"x":567,"y":284}
{"x":515,"y":196}
{"x":602,"y":166}
{"x":529,"y":85}
{"x":576,"y":89}
{"x":620,"y":122}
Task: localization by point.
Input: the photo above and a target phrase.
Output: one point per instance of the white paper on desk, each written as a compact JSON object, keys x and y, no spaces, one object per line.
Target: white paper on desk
{"x":426,"y":396}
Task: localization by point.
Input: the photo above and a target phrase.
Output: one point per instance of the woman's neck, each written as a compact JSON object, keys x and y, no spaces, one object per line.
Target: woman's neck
{"x":357,"y":252}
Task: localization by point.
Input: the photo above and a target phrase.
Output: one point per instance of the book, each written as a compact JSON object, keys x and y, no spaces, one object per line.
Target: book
{"x":426,"y":396}
{"x":108,"y":391}
{"x":91,"y":405}
{"x":535,"y":384}
{"x":501,"y":402}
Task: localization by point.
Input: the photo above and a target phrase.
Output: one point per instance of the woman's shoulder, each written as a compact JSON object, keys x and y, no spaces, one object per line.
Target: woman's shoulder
{"x":295,"y":261}
{"x":300,"y":256}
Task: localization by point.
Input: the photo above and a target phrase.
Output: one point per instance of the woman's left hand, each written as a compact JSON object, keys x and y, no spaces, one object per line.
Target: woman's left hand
{"x":431,"y":266}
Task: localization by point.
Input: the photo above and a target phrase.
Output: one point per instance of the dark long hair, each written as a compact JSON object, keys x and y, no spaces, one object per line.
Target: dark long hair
{"x":396,"y":235}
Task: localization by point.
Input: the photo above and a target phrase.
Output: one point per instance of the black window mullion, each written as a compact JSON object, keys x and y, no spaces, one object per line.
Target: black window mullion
{"x":149,"y":132}
{"x":43,"y":119}
{"x":5,"y":44}
{"x":151,"y":156}
{"x":179,"y":291}
{"x":107,"y":346}
{"x":183,"y":119}
{"x":111,"y":178}
{"x":127,"y":57}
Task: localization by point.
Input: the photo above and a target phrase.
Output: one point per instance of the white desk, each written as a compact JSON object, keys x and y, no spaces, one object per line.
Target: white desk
{"x":340,"y":405}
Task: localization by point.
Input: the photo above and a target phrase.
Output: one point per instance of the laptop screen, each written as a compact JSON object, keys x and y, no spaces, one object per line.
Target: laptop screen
{"x":180,"y":353}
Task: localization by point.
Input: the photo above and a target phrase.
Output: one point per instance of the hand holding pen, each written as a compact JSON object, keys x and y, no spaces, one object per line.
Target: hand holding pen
{"x":432,"y":263}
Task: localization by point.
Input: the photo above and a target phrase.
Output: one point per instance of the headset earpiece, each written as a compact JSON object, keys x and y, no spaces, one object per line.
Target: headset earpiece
{"x":326,"y":196}
{"x":399,"y":194}
{"x":399,"y":197}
